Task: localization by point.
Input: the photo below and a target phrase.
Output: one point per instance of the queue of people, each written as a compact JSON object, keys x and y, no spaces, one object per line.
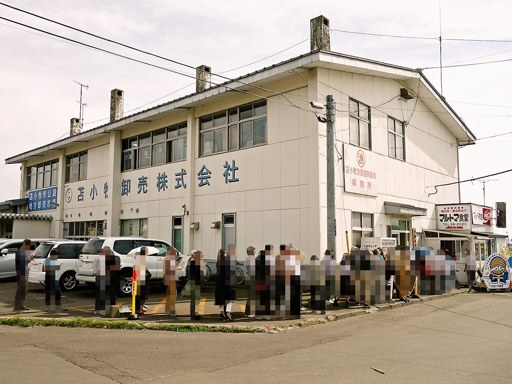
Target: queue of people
{"x":274,"y":282}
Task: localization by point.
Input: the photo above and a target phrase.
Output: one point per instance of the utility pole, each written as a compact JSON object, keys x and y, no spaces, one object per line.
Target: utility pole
{"x":331,"y":184}
{"x":82,"y":105}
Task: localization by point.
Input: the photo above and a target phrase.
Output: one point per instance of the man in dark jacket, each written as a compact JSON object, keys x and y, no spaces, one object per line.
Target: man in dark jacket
{"x":22,"y":258}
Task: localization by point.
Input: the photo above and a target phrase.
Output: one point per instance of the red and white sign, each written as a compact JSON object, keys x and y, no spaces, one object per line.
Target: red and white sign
{"x":453,"y":217}
{"x":360,"y":170}
{"x":482,"y":215}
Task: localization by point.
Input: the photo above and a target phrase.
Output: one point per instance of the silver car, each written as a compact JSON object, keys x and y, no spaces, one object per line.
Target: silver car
{"x":8,"y":249}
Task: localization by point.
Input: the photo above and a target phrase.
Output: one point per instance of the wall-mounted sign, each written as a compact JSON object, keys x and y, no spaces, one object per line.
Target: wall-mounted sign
{"x":42,"y":199}
{"x":360,"y":170}
{"x":370,"y":243}
{"x":453,"y":217}
{"x":481,"y":215}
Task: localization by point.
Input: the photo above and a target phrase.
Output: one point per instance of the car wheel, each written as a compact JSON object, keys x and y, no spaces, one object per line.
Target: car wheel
{"x":68,"y":281}
{"x":125,"y":284}
{"x":239,"y":275}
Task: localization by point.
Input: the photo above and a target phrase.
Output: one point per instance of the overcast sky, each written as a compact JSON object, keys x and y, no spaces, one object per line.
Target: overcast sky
{"x":39,"y":95}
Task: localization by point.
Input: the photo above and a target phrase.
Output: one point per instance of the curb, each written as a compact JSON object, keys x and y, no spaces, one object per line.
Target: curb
{"x":79,"y":322}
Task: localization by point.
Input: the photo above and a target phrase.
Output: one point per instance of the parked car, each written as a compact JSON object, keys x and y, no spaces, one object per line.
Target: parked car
{"x":8,"y":249}
{"x":69,"y":251}
{"x":121,"y":246}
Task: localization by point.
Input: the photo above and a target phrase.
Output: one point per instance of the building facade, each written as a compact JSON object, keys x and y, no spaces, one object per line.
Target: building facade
{"x":244,"y":162}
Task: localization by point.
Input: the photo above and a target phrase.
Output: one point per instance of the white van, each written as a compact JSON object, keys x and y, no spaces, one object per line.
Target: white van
{"x":8,"y":249}
{"x":121,"y":246}
{"x":69,"y":251}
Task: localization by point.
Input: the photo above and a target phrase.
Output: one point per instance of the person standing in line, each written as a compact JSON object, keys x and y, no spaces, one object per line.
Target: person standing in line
{"x":250,"y":282}
{"x":281,"y":280}
{"x":142,"y":276}
{"x":194,"y":274}
{"x":316,"y":282}
{"x":259,"y":281}
{"x":270,"y":281}
{"x":170,"y":279}
{"x":51,"y":285}
{"x":99,"y":271}
{"x":220,"y":283}
{"x":296,"y":260}
{"x":23,"y":256}
{"x":112,"y":271}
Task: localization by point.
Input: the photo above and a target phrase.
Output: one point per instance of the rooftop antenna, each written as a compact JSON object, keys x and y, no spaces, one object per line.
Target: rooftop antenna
{"x":82,"y":105}
{"x":485,"y":181}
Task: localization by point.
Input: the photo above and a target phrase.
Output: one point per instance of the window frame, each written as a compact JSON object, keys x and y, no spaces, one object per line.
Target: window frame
{"x":228,"y":125}
{"x":138,"y":225}
{"x":76,"y":164}
{"x":134,"y":147}
{"x":42,"y":175}
{"x":394,"y":136}
{"x":359,"y":119}
{"x":362,"y":230}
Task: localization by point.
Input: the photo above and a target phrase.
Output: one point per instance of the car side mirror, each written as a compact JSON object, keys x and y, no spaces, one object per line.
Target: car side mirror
{"x":5,"y":251}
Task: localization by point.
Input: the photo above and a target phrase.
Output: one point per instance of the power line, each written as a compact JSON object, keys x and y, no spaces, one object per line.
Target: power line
{"x":465,"y":181}
{"x":136,"y":49}
{"x":97,"y":48}
{"x":468,"y":64}
{"x":423,"y":37}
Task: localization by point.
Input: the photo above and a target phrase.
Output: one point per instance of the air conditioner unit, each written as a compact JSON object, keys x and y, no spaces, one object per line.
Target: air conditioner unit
{"x":194,"y":225}
{"x":215,"y":225}
{"x":405,"y":94}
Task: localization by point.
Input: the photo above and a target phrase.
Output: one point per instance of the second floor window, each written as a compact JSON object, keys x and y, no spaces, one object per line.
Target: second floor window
{"x":396,"y":139}
{"x":43,"y":175}
{"x":232,"y":129}
{"x":162,"y":146}
{"x":76,"y":167}
{"x":360,"y":126}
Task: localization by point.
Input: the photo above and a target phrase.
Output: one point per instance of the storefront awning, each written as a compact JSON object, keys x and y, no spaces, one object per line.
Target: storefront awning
{"x":488,"y":234}
{"x":25,"y":216}
{"x":391,"y":208}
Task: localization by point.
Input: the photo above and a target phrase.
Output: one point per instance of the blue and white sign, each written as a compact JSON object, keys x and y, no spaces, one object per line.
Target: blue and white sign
{"x":42,"y":199}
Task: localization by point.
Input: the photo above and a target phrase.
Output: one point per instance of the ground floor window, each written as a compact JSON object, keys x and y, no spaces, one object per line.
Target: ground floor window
{"x":83,"y":230}
{"x":401,"y":231}
{"x":362,"y":226}
{"x":177,"y":233}
{"x":228,"y":230}
{"x":134,"y":227}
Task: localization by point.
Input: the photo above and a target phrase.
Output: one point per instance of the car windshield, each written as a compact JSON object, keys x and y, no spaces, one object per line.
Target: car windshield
{"x":43,"y":249}
{"x":92,"y":247}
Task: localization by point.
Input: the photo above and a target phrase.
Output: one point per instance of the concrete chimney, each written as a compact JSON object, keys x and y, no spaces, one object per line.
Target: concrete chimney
{"x":116,"y":105}
{"x":203,"y":78}
{"x":320,"y":36}
{"x":74,"y":127}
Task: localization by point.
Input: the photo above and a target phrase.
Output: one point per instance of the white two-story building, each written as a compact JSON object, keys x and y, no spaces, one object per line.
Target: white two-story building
{"x":244,"y":162}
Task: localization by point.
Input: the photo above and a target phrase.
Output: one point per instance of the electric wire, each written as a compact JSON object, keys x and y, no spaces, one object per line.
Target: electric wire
{"x":423,"y":37}
{"x":467,"y":180}
{"x":133,"y":48}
